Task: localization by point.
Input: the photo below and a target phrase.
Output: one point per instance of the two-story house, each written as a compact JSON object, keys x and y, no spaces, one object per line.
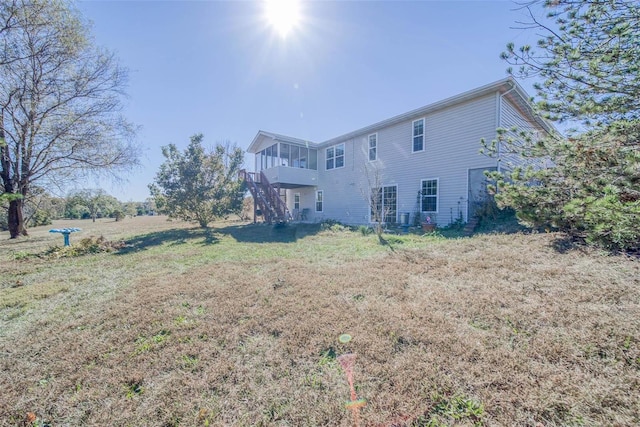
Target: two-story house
{"x":423,"y":162}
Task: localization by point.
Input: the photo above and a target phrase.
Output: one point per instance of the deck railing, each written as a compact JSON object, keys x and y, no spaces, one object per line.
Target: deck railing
{"x":267,"y":198}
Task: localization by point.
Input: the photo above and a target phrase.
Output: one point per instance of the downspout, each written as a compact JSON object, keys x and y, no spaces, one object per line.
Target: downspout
{"x":499,"y":122}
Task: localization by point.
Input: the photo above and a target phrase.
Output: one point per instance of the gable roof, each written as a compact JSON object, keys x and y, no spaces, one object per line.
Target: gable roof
{"x":277,"y":137}
{"x":507,"y":87}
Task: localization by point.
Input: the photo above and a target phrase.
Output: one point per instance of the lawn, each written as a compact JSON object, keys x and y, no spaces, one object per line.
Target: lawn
{"x":239,"y":326}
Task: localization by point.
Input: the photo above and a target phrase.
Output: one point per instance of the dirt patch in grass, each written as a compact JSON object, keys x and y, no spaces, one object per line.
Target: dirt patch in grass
{"x":493,"y":330}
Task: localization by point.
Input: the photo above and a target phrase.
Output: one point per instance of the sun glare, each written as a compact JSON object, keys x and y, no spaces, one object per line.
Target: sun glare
{"x":283,"y":15}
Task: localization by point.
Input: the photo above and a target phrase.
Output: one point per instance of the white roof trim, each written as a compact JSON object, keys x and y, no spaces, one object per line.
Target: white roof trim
{"x":519,"y":96}
{"x":278,"y":137}
{"x":502,"y":86}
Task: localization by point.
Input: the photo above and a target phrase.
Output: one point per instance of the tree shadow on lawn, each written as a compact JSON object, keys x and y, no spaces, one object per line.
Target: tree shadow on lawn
{"x":169,"y":237}
{"x":251,"y":233}
{"x":263,"y":233}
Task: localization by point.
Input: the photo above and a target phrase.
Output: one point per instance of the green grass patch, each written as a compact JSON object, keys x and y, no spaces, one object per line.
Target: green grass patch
{"x":23,"y":295}
{"x":243,"y":324}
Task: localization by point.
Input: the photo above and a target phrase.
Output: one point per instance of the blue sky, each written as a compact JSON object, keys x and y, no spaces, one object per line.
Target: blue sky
{"x":218,"y":68}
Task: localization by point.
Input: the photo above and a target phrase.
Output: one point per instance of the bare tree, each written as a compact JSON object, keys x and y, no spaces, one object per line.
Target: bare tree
{"x":373,"y":193}
{"x":60,"y":103}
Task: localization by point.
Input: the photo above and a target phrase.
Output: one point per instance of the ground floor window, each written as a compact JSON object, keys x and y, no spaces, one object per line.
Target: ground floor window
{"x":429,"y":195}
{"x":384,"y":204}
{"x":390,"y":204}
{"x":319,"y":200}
{"x":296,"y":201}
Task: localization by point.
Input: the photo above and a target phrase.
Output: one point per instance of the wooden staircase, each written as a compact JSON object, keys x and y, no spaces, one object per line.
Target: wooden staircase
{"x":266,"y":197}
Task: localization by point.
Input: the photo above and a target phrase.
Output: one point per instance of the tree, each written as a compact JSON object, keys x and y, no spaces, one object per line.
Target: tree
{"x":40,"y":208}
{"x":380,"y":212}
{"x":197,"y":185}
{"x":4,"y":196}
{"x":132,"y":208}
{"x":246,"y":213}
{"x":96,"y":202}
{"x":589,"y":60}
{"x":60,"y":102}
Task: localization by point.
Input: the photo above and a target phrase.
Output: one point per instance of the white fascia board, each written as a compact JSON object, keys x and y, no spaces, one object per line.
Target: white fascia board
{"x":277,"y":137}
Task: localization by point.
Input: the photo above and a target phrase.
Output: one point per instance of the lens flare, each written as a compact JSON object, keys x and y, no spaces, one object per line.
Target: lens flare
{"x":283,"y":15}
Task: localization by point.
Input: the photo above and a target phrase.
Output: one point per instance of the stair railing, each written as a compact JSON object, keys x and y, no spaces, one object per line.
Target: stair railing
{"x":266,"y":196}
{"x":274,"y":198}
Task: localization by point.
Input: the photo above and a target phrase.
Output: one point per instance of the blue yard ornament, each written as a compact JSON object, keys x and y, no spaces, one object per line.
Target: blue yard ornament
{"x":65,"y":232}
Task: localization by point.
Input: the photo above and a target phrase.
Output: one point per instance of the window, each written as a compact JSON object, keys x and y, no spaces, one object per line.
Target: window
{"x":319,"y":200}
{"x":373,"y":147}
{"x":284,"y":154}
{"x":295,"y":156}
{"x":418,"y":135}
{"x":269,"y":154}
{"x":376,"y":205}
{"x":313,"y":159}
{"x":429,"y":195}
{"x":269,"y":157}
{"x":289,"y":155}
{"x":335,"y":157}
{"x":304,"y":153}
{"x":263,"y":160}
{"x":384,"y":204}
{"x":296,"y":201}
{"x":390,"y":204}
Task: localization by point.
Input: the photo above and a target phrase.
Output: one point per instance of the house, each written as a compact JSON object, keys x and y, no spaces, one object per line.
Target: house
{"x":423,"y":162}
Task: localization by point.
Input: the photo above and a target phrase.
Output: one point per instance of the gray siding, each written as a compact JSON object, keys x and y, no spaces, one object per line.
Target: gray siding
{"x":511,"y":118}
{"x":307,"y":201}
{"x":452,"y":144}
{"x":453,"y":130}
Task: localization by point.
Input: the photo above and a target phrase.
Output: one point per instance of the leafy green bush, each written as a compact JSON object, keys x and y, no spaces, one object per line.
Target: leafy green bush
{"x":118,"y":214}
{"x":591,"y":191}
{"x":586,"y":185}
{"x":40,"y":217}
{"x":364,"y":230}
{"x":608,"y":221}
{"x":333,"y":225}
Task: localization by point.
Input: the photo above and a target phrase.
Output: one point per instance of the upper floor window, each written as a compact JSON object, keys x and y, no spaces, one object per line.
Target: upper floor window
{"x":287,"y":155}
{"x":373,"y":147}
{"x":418,"y":135}
{"x":335,"y":156}
{"x":429,"y":195}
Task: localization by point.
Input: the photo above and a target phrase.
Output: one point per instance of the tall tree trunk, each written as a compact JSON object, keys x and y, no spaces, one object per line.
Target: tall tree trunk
{"x":15,"y":219}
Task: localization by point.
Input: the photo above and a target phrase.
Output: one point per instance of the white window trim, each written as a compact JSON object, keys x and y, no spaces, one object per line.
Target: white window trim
{"x":382,"y":187}
{"x":369,"y":146}
{"x":296,"y":195}
{"x":424,"y":142}
{"x":437,"y":180}
{"x":344,"y":155}
{"x":371,"y":221}
{"x":316,"y":201}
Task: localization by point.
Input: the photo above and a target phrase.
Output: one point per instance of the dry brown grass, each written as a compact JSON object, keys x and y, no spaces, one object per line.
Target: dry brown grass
{"x":196,"y":331}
